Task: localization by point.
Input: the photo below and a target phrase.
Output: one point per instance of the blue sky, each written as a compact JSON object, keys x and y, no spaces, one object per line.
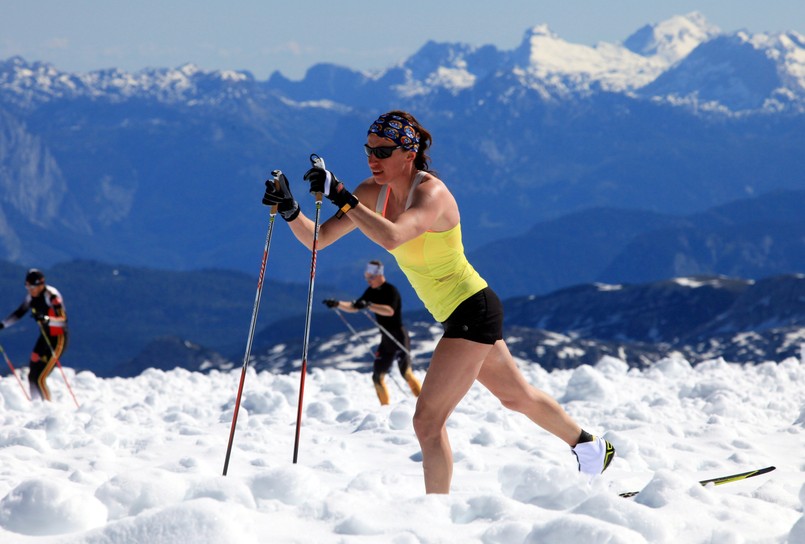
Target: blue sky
{"x":290,"y":36}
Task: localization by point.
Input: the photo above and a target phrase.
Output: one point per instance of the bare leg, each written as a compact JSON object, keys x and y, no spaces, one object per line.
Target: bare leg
{"x":501,"y":376}
{"x":455,"y":365}
{"x":452,"y":371}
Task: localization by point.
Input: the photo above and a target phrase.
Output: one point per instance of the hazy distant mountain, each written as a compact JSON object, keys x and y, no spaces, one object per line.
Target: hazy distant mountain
{"x":572,"y":249}
{"x":117,"y":312}
{"x":124,"y":319}
{"x":749,"y":238}
{"x":164,"y":167}
{"x":701,"y":318}
{"x":624,"y":163}
{"x":738,"y":72}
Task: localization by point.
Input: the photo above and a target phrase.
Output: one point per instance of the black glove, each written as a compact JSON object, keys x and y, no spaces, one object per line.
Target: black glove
{"x":330,"y":302}
{"x":42,"y":318}
{"x":323,"y":181}
{"x":360,"y":304}
{"x":282,"y":197}
{"x":2,"y":326}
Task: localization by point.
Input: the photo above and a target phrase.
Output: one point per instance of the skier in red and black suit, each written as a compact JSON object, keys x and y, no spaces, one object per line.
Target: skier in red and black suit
{"x":383,"y":299}
{"x":47,"y":307}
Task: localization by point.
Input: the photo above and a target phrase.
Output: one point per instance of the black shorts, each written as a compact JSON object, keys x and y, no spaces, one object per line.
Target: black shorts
{"x":479,"y":318}
{"x":389,"y":351}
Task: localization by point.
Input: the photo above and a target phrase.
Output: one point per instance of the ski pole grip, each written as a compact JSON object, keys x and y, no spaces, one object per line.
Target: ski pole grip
{"x":318,"y":162}
{"x":276,"y":174}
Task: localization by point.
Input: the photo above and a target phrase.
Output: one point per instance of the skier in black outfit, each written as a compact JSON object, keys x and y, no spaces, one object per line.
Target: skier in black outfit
{"x":46,"y":306}
{"x":383,"y":299}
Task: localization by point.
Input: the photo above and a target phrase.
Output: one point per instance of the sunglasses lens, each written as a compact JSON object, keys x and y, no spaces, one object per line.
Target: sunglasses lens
{"x":379,"y":152}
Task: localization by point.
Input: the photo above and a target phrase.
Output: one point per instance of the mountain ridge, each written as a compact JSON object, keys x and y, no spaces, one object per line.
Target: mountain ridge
{"x":164,"y":168}
{"x":746,"y":238}
{"x":540,"y":59}
{"x":699,"y":318}
{"x":124,"y":320}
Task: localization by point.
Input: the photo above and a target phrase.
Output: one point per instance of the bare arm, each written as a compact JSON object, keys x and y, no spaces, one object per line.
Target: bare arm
{"x":329,"y":231}
{"x":379,"y":309}
{"x":432,"y":208}
{"x":15,"y":316}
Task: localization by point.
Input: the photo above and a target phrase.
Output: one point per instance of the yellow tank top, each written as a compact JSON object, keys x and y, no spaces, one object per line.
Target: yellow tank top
{"x":435,"y":264}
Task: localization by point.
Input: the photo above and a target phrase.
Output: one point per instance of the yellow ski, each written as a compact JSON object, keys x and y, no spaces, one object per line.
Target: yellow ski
{"x":720,"y":480}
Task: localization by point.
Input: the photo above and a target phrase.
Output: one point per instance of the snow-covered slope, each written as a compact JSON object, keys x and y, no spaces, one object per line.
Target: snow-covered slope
{"x":141,"y":460}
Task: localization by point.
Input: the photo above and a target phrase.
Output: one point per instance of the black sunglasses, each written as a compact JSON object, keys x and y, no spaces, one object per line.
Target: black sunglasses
{"x":380,"y":152}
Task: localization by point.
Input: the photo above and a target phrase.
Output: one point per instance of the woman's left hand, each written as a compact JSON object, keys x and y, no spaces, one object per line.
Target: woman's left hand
{"x":323,"y":181}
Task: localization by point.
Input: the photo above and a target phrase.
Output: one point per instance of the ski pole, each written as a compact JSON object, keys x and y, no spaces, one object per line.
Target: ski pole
{"x":318,"y":162}
{"x":58,"y":363}
{"x":272,"y":214}
{"x":14,"y":371}
{"x":387,"y":333}
{"x":353,"y":331}
{"x":365,"y":345}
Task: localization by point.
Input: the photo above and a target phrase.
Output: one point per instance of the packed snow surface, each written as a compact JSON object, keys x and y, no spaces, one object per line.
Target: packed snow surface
{"x":141,"y":460}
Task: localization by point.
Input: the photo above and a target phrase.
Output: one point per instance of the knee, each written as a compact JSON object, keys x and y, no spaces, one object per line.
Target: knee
{"x":34,"y":371}
{"x":404,"y":364}
{"x":377,"y":377}
{"x":426,"y":427}
{"x":513,"y":404}
{"x":522,"y":402}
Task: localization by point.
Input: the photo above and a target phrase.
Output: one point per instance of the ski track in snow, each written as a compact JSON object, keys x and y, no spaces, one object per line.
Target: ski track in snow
{"x":141,"y":460}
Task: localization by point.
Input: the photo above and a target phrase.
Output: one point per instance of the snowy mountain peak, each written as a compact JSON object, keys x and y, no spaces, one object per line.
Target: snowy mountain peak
{"x":547,"y":62}
{"x":450,"y":66}
{"x":672,"y":39}
{"x":787,"y":50}
{"x":189,"y":69}
{"x":26,"y":84}
{"x":539,"y":30}
{"x":739,"y":72}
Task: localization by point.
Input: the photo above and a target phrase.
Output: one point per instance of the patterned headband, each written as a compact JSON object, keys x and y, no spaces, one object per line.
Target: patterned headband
{"x":398,"y":129}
